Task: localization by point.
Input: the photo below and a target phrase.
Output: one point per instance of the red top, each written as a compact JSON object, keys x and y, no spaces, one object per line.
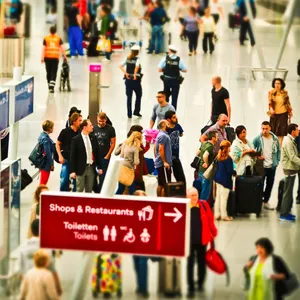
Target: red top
{"x":209,"y":230}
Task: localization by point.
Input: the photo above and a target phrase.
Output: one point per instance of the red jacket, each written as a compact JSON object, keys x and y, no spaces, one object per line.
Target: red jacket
{"x":209,"y":230}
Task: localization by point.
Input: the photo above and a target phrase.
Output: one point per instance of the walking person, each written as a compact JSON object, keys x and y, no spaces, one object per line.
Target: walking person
{"x":158,"y":17}
{"x":182,"y":12}
{"x":63,"y":148}
{"x":291,"y":165}
{"x":202,"y":232}
{"x":280,"y":108}
{"x":268,"y":145}
{"x":191,"y":28}
{"x":75,"y":34}
{"x":216,"y":11}
{"x":223,"y":181}
{"x":52,"y":47}
{"x":171,"y":66}
{"x":44,"y":139}
{"x":132,"y":70}
{"x":209,"y":28}
{"x":84,"y":158}
{"x":106,"y":139}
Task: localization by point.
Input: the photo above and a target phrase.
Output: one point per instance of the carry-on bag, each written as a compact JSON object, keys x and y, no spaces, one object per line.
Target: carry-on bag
{"x":231,"y":203}
{"x":280,"y":194}
{"x":169,"y":277}
{"x":234,"y":20}
{"x":249,"y":194}
{"x":107,"y":275}
{"x":174,"y":189}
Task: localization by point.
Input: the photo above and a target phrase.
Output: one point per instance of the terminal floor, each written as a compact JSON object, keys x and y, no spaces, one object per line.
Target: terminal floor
{"x":249,"y":105}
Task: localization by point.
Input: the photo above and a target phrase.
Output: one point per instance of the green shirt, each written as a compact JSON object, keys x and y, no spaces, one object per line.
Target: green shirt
{"x":104,"y":25}
{"x":209,"y":147}
{"x":258,"y":292}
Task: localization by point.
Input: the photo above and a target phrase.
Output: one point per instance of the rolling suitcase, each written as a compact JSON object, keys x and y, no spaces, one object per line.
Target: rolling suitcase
{"x":107,"y":275}
{"x":249,"y":194}
{"x":169,"y":277}
{"x":174,"y":189}
{"x":231,"y":203}
{"x":280,"y":194}
{"x":233,"y":21}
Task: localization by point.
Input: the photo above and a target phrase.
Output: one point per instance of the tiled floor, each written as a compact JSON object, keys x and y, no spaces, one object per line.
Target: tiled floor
{"x":249,"y":104}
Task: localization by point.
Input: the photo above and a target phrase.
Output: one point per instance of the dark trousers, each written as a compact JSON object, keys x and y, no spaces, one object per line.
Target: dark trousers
{"x":198,"y":251}
{"x":122,"y":187}
{"x":178,"y":170}
{"x":246,"y":27}
{"x":298,"y":192}
{"x":269,"y":179}
{"x":184,"y":34}
{"x":172,"y":87}
{"x":287,"y":199}
{"x":99,"y":179}
{"x":208,"y":39}
{"x":216,"y":18}
{"x":136,"y":87}
{"x":51,"y":70}
{"x":141,"y":269}
{"x":193,"y":40}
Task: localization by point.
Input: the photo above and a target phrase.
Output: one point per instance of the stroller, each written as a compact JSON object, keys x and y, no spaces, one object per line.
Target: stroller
{"x":65,"y":77}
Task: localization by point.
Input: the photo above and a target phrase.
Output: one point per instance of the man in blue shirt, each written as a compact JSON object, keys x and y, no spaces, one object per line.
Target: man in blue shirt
{"x":175,"y":131}
{"x":163,"y":157}
{"x":171,"y":66}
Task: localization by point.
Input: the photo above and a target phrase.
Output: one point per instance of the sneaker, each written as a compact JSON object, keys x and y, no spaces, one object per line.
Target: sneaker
{"x":286,"y":219}
{"x":51,"y":90}
{"x":137,"y":115}
{"x":292,"y":216}
{"x":268,"y":206}
{"x":297,"y":200}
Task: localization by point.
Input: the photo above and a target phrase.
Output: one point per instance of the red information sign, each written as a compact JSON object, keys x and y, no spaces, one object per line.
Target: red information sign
{"x":134,"y":225}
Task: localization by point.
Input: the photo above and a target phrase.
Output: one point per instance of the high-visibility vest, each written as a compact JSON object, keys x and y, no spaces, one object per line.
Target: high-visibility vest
{"x":52,"y":46}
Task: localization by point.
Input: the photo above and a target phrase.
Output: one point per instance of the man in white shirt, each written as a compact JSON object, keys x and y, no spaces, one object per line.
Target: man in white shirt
{"x":268,"y":144}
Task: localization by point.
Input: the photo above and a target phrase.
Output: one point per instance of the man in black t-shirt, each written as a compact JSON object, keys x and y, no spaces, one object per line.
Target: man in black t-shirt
{"x":106,"y":139}
{"x":220,"y":100}
{"x":63,"y":148}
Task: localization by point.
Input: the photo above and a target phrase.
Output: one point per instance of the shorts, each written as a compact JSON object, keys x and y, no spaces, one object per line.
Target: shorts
{"x":161,"y":175}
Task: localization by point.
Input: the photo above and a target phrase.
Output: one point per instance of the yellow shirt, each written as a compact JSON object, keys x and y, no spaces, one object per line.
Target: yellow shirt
{"x":279,"y":106}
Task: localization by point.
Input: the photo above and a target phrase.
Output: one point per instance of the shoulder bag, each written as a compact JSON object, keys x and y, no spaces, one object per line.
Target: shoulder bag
{"x":211,"y":171}
{"x":126,"y":176}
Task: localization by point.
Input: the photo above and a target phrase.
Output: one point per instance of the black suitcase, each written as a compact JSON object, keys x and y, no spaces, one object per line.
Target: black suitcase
{"x":298,"y":68}
{"x":92,"y":47}
{"x":231,"y":203}
{"x":233,"y":21}
{"x":280,"y":194}
{"x":174,"y":189}
{"x":249,"y":194}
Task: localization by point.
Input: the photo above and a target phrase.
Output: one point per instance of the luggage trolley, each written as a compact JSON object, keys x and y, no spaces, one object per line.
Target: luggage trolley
{"x":131,"y":35}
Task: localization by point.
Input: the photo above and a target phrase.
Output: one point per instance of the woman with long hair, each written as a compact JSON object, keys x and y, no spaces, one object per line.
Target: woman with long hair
{"x":131,"y":68}
{"x":130,"y":152}
{"x":223,"y":181}
{"x":280,"y":109}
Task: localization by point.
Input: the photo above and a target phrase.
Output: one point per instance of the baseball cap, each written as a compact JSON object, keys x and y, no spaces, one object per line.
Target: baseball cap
{"x":73,"y":110}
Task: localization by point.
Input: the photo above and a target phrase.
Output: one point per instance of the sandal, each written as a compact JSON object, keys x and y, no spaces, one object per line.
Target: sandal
{"x":227,"y":219}
{"x":218,"y":218}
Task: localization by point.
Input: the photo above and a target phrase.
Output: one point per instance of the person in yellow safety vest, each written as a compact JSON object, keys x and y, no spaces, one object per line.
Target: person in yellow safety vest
{"x":52,"y":46}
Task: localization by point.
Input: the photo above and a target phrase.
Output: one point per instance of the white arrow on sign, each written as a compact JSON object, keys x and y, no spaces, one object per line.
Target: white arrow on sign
{"x":177,"y":215}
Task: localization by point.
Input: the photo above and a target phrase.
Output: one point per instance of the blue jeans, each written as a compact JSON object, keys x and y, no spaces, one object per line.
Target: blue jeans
{"x":121,"y":189}
{"x":206,"y":187}
{"x":156,"y":36}
{"x":75,"y":40}
{"x":141,"y":269}
{"x":98,"y":186}
{"x":64,"y":178}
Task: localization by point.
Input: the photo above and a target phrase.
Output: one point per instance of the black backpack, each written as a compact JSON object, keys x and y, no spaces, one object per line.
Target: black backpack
{"x":37,"y":156}
{"x":113,"y":25}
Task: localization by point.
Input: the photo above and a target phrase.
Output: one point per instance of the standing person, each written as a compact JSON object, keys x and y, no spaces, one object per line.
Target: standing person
{"x":171,"y":66}
{"x":163,"y":157}
{"x":245,"y":21}
{"x":206,"y":158}
{"x":209,"y":28}
{"x":73,"y":109}
{"x":223,"y":181}
{"x":133,"y":79}
{"x":84,"y":158}
{"x":241,"y":152}
{"x":175,"y":131}
{"x":160,"y":108}
{"x":291,"y":165}
{"x":48,"y":146}
{"x":105,"y":31}
{"x":52,"y":46}
{"x":297,"y":141}
{"x":182,"y":12}
{"x":216,"y":10}
{"x":106,"y":139}
{"x":39,"y":282}
{"x":202,"y":232}
{"x":268,"y":145}
{"x":219,"y":127}
{"x":191,"y":28}
{"x":74,"y":30}
{"x":220,"y":100}
{"x":266,"y":272}
{"x":280,"y":109}
{"x":158,"y":17}
{"x":130,"y":152}
{"x":63,"y":148}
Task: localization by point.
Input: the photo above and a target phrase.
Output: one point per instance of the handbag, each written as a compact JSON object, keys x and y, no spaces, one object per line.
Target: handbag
{"x":290,"y":284}
{"x":211,"y":171}
{"x":195,"y":163}
{"x":126,"y":176}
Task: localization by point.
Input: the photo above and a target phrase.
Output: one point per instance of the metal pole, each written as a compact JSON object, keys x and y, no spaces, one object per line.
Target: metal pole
{"x":258,"y":47}
{"x":287,"y":31}
{"x":60,"y":18}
